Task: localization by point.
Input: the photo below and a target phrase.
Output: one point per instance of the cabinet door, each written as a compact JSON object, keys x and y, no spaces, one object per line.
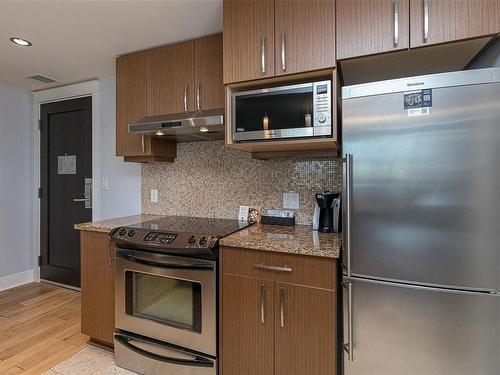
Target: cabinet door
{"x":209,"y":87}
{"x":304,"y":35}
{"x":132,"y":101}
{"x":98,"y":286}
{"x":247,"y":326}
{"x":366,"y":27}
{"x":305,"y":330}
{"x":171,"y":76}
{"x":248,"y":40}
{"x":439,"y":21}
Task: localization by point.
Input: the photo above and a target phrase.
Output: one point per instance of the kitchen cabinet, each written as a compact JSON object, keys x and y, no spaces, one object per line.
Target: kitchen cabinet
{"x":439,"y":21}
{"x":182,"y":77}
{"x":208,"y":84}
{"x":280,"y":321}
{"x":304,"y":35}
{"x":98,"y":291}
{"x":367,"y":27}
{"x":248,"y":40}
{"x":266,"y":38}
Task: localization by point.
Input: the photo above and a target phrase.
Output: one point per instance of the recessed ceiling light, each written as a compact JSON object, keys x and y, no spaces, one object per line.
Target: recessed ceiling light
{"x":203,"y":129}
{"x":159,"y":133}
{"x":21,"y":42}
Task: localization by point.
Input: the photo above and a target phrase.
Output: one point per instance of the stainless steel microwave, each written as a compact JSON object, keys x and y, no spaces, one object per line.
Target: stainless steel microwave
{"x":294,"y":111}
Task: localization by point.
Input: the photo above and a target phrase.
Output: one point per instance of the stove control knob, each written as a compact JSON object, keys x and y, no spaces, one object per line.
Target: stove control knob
{"x":122,"y":232}
{"x":322,"y":118}
{"x":203,"y":241}
{"x":191,"y":240}
{"x":131,"y":233}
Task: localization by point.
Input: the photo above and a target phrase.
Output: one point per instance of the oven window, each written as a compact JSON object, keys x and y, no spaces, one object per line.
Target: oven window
{"x":287,"y":109}
{"x":165,"y":300}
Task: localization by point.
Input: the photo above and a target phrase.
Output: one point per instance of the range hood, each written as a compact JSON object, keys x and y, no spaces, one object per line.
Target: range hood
{"x":183,"y":127}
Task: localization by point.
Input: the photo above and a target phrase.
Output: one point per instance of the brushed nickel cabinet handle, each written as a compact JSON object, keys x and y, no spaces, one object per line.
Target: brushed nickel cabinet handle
{"x":262,"y":302}
{"x":186,"y":108}
{"x":110,"y":253}
{"x":273,"y":268}
{"x":396,"y":23}
{"x":282,"y":307}
{"x":198,"y":103}
{"x":426,"y":20}
{"x":142,"y":145}
{"x":263,"y":54}
{"x":283,"y":52}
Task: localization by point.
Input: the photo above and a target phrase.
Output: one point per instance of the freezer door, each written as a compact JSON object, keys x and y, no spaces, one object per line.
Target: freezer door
{"x":426,"y":189}
{"x":398,"y":330}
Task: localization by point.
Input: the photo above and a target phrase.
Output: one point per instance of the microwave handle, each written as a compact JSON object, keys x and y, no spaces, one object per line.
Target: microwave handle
{"x":197,"y":361}
{"x":155,"y":263}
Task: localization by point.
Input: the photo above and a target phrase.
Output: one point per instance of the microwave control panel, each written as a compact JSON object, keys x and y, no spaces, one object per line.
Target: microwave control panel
{"x":322,"y":96}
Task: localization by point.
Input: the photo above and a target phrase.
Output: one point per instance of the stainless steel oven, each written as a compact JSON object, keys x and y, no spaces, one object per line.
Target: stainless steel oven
{"x":293,"y":111}
{"x":163,"y":305}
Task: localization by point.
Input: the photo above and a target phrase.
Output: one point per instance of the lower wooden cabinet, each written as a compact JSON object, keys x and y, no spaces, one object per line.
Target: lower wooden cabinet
{"x":98,"y":286}
{"x":273,"y":327}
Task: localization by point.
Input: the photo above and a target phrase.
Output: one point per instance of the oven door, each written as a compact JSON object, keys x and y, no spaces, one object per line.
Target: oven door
{"x":168,"y":298}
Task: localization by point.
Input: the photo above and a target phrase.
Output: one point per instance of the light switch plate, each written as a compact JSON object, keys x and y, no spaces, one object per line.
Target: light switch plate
{"x":154,"y":196}
{"x":105,"y":183}
{"x":291,"y":201}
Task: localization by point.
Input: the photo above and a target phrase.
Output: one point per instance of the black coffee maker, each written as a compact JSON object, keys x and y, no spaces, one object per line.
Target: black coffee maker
{"x":329,"y":212}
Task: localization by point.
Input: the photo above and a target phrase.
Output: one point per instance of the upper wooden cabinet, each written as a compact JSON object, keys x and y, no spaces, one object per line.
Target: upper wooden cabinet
{"x":248,"y":40}
{"x":365,"y":27}
{"x":208,"y":85}
{"x":265,"y":38}
{"x":182,"y":77}
{"x":304,"y":35}
{"x":439,"y":21}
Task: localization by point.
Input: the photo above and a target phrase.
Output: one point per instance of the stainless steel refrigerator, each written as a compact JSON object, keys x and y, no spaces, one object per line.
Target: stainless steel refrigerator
{"x":422,"y":225}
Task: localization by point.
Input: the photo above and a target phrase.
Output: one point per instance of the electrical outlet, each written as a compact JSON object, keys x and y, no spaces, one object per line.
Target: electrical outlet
{"x":154,"y":195}
{"x":105,"y":183}
{"x":291,"y":201}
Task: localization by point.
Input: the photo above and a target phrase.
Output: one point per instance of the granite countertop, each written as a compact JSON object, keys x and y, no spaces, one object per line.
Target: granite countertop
{"x":299,"y":239}
{"x":105,"y":226}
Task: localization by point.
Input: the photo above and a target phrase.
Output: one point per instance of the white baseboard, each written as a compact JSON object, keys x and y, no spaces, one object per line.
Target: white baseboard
{"x":20,"y":278}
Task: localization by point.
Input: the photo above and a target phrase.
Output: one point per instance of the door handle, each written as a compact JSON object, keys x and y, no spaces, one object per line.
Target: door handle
{"x":348,"y":196}
{"x":426,"y":20}
{"x":396,"y":23}
{"x":348,"y":346}
{"x":79,"y":200}
{"x":282,"y":307}
{"x":262,"y":302}
{"x":283,"y":52}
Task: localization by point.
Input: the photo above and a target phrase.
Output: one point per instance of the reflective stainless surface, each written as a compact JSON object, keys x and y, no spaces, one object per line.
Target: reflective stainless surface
{"x":425,"y":189}
{"x":152,"y":358}
{"x":421,"y":331}
{"x":183,"y":127}
{"x":189,"y":269}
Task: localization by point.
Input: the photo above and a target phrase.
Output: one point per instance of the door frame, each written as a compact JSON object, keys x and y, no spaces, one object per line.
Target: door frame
{"x":57,"y":94}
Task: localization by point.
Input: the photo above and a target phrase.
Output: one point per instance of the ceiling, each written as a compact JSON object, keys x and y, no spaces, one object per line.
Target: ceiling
{"x":74,"y":41}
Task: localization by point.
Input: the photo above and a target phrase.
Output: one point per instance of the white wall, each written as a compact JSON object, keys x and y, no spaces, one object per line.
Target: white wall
{"x":16,"y":185}
{"x":124,"y":195}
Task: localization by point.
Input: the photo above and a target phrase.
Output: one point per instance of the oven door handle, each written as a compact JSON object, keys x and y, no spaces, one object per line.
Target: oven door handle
{"x":198,"y":361}
{"x":154,"y":263}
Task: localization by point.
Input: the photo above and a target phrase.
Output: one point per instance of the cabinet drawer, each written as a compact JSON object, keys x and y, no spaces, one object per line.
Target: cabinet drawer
{"x":289,"y":268}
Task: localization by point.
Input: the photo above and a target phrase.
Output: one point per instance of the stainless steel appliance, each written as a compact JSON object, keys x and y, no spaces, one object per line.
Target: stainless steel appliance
{"x":292,"y":111}
{"x":422,"y":234}
{"x":166,"y":294}
{"x":329,"y":216}
{"x":206,"y":125}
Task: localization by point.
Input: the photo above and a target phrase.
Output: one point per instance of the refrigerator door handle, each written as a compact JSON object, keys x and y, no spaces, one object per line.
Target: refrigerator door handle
{"x":348,"y":346}
{"x":348,"y":198}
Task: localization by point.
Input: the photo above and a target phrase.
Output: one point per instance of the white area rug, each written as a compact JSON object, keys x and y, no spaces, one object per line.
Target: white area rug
{"x":89,"y":361}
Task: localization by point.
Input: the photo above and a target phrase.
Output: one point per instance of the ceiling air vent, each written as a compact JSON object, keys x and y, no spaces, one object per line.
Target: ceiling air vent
{"x":41,"y":78}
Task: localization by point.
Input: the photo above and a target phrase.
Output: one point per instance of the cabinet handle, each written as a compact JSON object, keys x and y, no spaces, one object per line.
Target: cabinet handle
{"x":262,"y":302}
{"x":283,"y":52}
{"x":111,"y":251}
{"x":198,"y":104}
{"x":263,"y":54}
{"x":142,"y":145}
{"x":426,"y":20}
{"x":186,"y":98}
{"x":282,"y":307}
{"x":273,"y":268}
{"x":396,"y":23}
{"x":348,"y":346}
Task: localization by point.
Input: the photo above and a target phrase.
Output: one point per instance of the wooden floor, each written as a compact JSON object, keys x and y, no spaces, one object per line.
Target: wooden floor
{"x":39,"y":327}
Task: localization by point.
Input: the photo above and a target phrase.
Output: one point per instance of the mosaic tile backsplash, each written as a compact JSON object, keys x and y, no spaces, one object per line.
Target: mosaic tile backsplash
{"x":210,"y":180}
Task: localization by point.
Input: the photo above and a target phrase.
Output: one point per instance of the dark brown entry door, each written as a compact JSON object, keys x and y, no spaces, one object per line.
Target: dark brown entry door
{"x":66,"y":182}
